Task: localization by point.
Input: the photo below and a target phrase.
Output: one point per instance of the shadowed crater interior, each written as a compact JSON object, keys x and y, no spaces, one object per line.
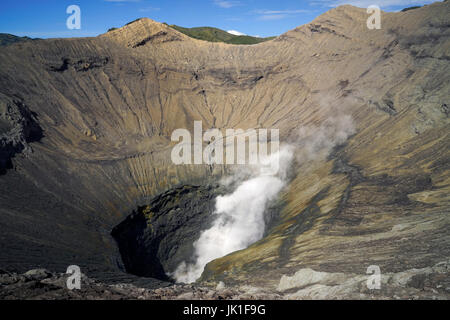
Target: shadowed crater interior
{"x":156,"y":238}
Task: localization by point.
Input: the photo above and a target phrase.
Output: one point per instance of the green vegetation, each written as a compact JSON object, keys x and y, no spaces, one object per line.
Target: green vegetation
{"x":112,"y":29}
{"x":411,"y":8}
{"x":217,"y":35}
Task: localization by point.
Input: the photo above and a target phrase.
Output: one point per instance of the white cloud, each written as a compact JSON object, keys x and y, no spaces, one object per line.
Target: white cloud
{"x":227,"y":4}
{"x":367,"y":3}
{"x":272,"y":17}
{"x":278,"y":14}
{"x":236,"y":33}
{"x":57,"y":34}
{"x":148,"y":9}
{"x":122,"y":0}
{"x":281,"y":11}
{"x":233,"y":19}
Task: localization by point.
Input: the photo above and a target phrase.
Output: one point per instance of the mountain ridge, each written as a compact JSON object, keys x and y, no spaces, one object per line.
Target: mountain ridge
{"x":217,"y":35}
{"x":7,"y":39}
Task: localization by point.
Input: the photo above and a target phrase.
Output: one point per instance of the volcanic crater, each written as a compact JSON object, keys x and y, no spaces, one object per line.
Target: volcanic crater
{"x":86,"y":176}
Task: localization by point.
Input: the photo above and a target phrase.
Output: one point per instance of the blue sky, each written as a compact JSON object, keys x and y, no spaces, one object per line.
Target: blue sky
{"x":47,"y":18}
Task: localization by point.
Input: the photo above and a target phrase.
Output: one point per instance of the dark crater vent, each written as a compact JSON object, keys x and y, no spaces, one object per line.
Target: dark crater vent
{"x":156,"y":238}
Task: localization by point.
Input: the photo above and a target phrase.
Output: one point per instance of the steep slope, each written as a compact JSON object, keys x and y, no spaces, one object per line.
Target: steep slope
{"x":108,"y":105}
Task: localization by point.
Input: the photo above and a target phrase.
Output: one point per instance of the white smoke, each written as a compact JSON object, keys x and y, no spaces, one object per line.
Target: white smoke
{"x":239,"y":216}
{"x":316,"y":142}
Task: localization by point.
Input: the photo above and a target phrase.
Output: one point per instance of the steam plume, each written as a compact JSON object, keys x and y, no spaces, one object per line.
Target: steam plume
{"x":239,"y":216}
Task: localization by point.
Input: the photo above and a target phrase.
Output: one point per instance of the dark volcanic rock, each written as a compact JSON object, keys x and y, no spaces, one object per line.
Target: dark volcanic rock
{"x":156,"y":238}
{"x":18,"y":128}
{"x":426,"y":283}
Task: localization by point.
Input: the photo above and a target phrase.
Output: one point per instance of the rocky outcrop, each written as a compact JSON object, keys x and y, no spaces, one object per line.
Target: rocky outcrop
{"x":427,"y":283}
{"x":83,"y":64}
{"x":144,"y":31}
{"x":18,"y":128}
